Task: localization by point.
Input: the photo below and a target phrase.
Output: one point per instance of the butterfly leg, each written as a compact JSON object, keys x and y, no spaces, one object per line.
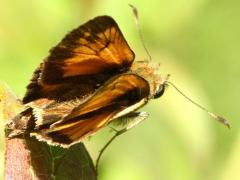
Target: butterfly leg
{"x":132,"y":119}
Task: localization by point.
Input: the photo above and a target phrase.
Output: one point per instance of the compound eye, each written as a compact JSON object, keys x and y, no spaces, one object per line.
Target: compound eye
{"x":159,"y":91}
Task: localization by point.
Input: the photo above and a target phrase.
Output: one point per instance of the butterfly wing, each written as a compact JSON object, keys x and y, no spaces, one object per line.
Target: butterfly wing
{"x":87,"y":56}
{"x":119,"y":96}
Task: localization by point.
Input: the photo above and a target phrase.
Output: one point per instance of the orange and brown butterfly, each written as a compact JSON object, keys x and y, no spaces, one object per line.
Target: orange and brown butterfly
{"x":88,"y":80}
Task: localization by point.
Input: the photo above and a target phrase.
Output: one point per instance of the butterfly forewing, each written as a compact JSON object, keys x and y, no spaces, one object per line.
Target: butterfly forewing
{"x":87,"y":56}
{"x":118,"y":94}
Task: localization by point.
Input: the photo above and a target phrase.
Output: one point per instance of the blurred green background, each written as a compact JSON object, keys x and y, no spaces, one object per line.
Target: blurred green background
{"x":196,"y":41}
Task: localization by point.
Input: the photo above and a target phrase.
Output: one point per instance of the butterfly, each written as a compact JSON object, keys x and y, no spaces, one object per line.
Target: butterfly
{"x":89,"y":80}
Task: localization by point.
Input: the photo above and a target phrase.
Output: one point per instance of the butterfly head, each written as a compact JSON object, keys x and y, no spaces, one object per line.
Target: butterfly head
{"x":159,"y":92}
{"x":161,"y":86}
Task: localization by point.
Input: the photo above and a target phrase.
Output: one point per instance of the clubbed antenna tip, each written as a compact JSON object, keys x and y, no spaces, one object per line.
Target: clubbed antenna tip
{"x":136,"y":18}
{"x":220,"y":119}
{"x":134,"y":10}
{"x":214,"y":116}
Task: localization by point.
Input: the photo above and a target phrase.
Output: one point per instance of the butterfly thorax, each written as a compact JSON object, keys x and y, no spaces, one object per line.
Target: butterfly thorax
{"x":150,"y":72}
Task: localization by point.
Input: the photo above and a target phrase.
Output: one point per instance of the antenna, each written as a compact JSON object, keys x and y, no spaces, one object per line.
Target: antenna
{"x":136,"y":17}
{"x":216,"y":117}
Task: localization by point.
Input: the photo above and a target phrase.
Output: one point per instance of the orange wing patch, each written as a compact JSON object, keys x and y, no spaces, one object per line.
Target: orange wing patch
{"x":96,"y":46}
{"x":78,"y":130}
{"x":126,"y":87}
{"x":88,"y":55}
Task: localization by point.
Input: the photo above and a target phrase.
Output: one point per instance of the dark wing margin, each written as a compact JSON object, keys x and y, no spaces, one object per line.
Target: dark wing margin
{"x":115,"y":97}
{"x":95,"y":48}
